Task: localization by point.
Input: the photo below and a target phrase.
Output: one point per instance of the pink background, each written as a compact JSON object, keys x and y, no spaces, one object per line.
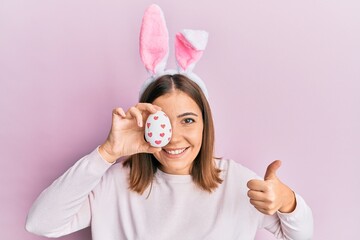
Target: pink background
{"x":283,"y":78}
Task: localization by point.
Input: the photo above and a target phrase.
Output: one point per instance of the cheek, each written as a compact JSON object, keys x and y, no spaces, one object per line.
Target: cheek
{"x":195,"y":135}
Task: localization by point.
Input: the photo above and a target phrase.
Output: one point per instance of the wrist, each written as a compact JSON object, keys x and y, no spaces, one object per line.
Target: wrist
{"x":107,"y":154}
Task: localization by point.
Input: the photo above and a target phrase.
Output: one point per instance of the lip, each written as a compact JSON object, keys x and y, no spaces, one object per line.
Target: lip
{"x":182,"y":152}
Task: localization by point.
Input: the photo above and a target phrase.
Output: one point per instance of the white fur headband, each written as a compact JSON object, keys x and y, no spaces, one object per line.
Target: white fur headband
{"x":154,"y":48}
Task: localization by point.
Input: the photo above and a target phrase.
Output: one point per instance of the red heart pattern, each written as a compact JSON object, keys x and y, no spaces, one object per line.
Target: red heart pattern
{"x":158,"y":129}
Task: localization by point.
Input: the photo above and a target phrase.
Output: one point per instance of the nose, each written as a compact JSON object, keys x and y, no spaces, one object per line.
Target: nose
{"x":175,"y":133}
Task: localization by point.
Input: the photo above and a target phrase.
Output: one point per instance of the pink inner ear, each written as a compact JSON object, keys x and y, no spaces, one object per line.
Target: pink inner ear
{"x":185,"y":53}
{"x":154,"y":38}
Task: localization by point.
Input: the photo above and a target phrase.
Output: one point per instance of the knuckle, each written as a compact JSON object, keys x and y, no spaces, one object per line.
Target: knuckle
{"x":268,"y":207}
{"x":271,"y":198}
{"x":267,"y":188}
{"x":269,"y":210}
{"x":133,"y":109}
{"x":270,"y":203}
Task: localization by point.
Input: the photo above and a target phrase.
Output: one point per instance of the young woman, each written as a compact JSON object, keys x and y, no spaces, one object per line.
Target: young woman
{"x":180,"y":191}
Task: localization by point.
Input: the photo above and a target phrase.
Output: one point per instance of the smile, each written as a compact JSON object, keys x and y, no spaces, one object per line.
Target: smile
{"x":175,"y":151}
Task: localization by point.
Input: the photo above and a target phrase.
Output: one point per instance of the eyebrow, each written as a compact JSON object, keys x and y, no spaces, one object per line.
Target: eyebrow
{"x":187,"y":114}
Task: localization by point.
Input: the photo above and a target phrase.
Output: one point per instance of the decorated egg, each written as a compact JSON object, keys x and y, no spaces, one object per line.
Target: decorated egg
{"x":158,"y":129}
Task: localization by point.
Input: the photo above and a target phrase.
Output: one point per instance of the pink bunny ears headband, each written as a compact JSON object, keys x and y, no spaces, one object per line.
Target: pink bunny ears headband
{"x":154,"y":48}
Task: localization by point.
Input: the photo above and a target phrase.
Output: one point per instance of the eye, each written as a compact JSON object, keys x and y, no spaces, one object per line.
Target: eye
{"x":188,"y":120}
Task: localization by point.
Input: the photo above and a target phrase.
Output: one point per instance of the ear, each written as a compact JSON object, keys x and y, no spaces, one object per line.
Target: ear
{"x":189,"y":47}
{"x":154,"y":40}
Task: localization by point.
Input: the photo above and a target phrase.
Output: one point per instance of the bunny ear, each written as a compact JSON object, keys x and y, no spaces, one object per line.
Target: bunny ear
{"x":154,"y":40}
{"x":189,"y":47}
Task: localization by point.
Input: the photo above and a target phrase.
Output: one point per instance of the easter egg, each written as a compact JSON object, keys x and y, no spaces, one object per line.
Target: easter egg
{"x":158,"y":129}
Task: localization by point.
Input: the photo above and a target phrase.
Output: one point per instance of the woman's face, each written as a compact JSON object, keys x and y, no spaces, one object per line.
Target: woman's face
{"x":187,"y":129}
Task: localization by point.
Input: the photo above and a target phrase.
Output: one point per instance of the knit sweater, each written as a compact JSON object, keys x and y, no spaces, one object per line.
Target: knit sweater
{"x":95,"y":193}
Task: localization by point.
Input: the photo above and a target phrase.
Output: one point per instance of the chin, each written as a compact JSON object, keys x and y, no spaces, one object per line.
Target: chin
{"x":176,"y":168}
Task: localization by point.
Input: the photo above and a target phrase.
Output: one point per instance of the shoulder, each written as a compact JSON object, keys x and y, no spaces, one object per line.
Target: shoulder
{"x":116,"y":176}
{"x":235,"y":177}
{"x":118,"y":170}
{"x":232,"y":169}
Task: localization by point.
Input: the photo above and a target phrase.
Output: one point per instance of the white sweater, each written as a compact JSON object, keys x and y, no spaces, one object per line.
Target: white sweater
{"x":94,"y":192}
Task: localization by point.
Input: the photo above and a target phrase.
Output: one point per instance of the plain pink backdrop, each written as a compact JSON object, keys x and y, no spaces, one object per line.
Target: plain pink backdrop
{"x":283,"y":78}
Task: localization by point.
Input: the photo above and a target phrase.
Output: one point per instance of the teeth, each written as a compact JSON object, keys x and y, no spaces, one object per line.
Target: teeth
{"x":175,"y":152}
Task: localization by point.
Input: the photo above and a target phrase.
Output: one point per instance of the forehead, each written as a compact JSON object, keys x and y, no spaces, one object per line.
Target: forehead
{"x":177,"y":102}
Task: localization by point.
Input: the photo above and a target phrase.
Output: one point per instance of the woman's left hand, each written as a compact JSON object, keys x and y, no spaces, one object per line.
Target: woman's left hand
{"x":271,"y":195}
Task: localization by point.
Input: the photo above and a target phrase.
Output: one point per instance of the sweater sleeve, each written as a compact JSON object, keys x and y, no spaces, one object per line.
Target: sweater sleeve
{"x":64,"y":206}
{"x":297,"y":225}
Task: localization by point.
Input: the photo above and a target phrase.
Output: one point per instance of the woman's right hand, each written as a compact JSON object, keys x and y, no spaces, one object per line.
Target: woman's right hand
{"x":126,"y":136}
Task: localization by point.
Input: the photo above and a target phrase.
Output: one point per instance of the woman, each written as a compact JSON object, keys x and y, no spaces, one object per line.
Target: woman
{"x":179,"y":191}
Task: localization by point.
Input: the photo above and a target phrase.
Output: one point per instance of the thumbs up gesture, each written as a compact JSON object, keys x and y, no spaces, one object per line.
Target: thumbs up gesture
{"x":271,"y":195}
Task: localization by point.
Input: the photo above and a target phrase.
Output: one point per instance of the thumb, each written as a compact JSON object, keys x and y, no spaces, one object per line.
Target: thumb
{"x":271,"y":170}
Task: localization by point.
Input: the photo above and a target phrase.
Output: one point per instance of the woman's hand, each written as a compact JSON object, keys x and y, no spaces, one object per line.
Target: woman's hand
{"x":271,"y":195}
{"x":126,"y":136}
